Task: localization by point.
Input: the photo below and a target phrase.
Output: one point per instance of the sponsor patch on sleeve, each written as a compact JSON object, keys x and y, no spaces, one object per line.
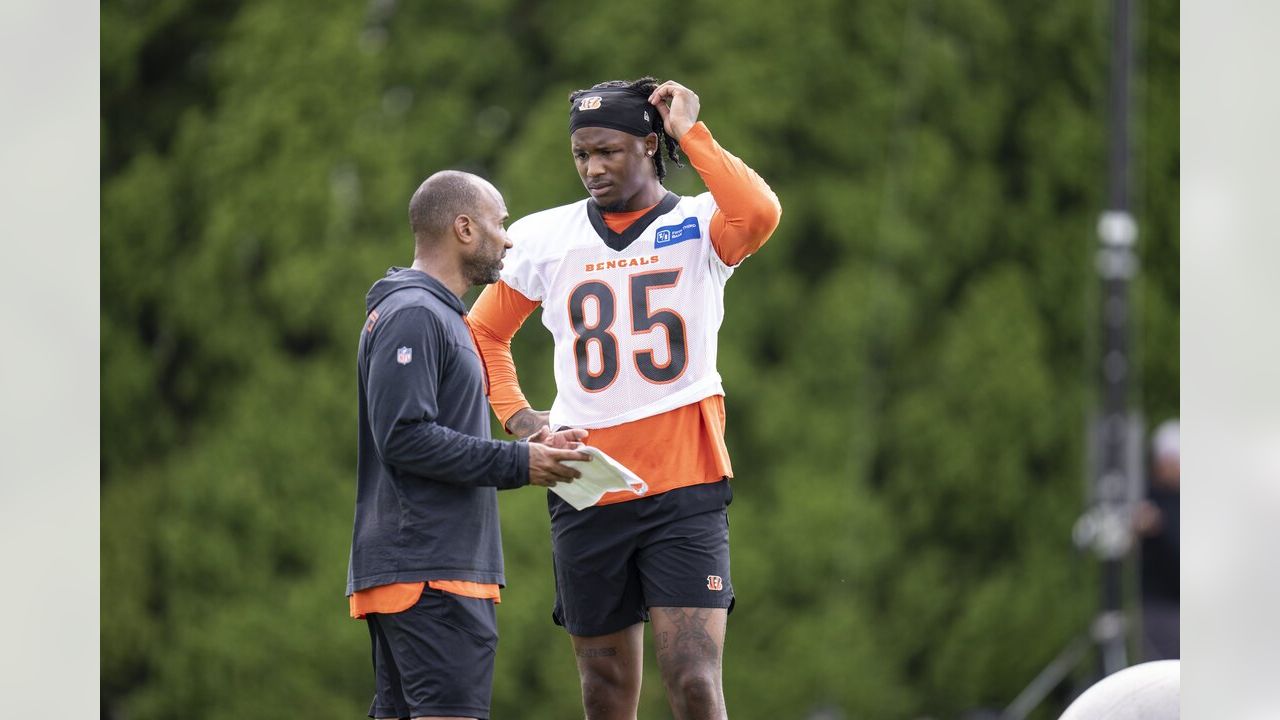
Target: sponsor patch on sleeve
{"x":673,"y":234}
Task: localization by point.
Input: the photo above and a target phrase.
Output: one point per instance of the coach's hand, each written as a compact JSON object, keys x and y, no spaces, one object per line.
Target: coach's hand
{"x":678,"y":106}
{"x":546,"y":466}
{"x":527,"y":422}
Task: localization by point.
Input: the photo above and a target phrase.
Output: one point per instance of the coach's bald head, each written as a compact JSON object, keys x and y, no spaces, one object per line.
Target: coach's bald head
{"x":441,"y":199}
{"x":458,"y":228}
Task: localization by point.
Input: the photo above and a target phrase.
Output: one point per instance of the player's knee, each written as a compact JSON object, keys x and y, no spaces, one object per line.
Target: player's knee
{"x":598,"y":702}
{"x":604,"y":700}
{"x":697,"y":685}
{"x":606,"y":686}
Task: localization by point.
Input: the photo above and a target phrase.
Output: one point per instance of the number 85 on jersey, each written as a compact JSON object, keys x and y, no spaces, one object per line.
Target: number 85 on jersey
{"x":593,"y":315}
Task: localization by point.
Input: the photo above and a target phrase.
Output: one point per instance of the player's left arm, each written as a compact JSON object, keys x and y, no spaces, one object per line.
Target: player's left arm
{"x":748,"y":210}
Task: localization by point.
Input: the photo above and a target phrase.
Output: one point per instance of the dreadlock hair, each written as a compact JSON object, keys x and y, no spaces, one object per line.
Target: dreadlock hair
{"x":644,"y":85}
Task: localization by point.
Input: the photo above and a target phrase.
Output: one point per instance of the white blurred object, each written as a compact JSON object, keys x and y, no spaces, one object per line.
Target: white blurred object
{"x":1143,"y":692}
{"x":1165,"y":441}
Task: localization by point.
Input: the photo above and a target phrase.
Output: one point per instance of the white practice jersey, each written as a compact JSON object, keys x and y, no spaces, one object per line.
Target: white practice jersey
{"x":635,"y":328}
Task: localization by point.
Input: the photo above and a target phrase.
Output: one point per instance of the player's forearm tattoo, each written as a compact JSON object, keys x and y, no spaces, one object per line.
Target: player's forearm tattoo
{"x":525,"y":423}
{"x":596,"y":652}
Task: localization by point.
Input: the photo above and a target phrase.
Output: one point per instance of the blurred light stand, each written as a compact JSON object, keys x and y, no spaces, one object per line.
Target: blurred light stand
{"x":1115,"y":458}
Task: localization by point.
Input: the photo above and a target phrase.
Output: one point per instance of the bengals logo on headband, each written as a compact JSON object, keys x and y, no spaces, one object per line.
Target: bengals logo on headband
{"x":590,"y":103}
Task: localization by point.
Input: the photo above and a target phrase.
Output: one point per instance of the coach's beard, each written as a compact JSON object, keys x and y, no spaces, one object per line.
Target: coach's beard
{"x":482,"y":270}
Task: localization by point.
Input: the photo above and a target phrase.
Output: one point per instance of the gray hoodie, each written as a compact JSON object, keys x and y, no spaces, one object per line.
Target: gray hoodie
{"x":428,"y":472}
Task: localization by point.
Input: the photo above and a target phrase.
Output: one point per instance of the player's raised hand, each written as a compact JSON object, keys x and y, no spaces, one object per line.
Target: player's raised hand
{"x":678,"y":106}
{"x":546,"y":466}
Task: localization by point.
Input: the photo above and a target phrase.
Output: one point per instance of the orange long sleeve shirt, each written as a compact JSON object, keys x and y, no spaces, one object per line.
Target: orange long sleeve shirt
{"x":681,"y":447}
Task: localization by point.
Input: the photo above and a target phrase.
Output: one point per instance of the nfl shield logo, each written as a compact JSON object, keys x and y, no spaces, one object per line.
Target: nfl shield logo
{"x":404,"y":355}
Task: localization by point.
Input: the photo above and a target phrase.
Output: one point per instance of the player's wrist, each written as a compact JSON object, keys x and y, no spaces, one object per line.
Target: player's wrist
{"x":695,"y":130}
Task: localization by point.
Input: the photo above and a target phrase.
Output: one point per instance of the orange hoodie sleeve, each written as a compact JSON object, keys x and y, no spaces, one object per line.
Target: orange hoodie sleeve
{"x":749,"y":210}
{"x":494,"y":319}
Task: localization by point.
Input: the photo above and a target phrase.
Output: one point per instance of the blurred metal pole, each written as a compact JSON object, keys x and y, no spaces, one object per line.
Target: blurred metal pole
{"x":1118,"y":435}
{"x":1116,"y":430}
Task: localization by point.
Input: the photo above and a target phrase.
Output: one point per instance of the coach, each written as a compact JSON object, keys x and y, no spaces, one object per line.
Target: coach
{"x":426,"y":554}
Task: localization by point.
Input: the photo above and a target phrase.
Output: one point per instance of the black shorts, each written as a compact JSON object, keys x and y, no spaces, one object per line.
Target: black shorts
{"x":614,"y":562}
{"x":436,"y":658}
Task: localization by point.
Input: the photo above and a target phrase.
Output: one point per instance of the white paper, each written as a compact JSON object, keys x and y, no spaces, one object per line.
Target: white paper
{"x":601,"y":475}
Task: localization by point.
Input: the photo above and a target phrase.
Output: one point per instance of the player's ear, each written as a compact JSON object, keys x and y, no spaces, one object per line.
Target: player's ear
{"x":650,"y":144}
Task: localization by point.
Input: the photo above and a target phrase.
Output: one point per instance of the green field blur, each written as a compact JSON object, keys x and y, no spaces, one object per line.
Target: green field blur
{"x":908,"y":362}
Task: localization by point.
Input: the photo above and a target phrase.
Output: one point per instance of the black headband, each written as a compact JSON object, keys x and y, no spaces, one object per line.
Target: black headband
{"x":617,"y":108}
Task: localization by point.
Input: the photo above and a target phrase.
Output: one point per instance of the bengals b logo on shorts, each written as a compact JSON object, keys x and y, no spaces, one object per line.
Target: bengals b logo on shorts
{"x":714,"y":582}
{"x":590,"y":103}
